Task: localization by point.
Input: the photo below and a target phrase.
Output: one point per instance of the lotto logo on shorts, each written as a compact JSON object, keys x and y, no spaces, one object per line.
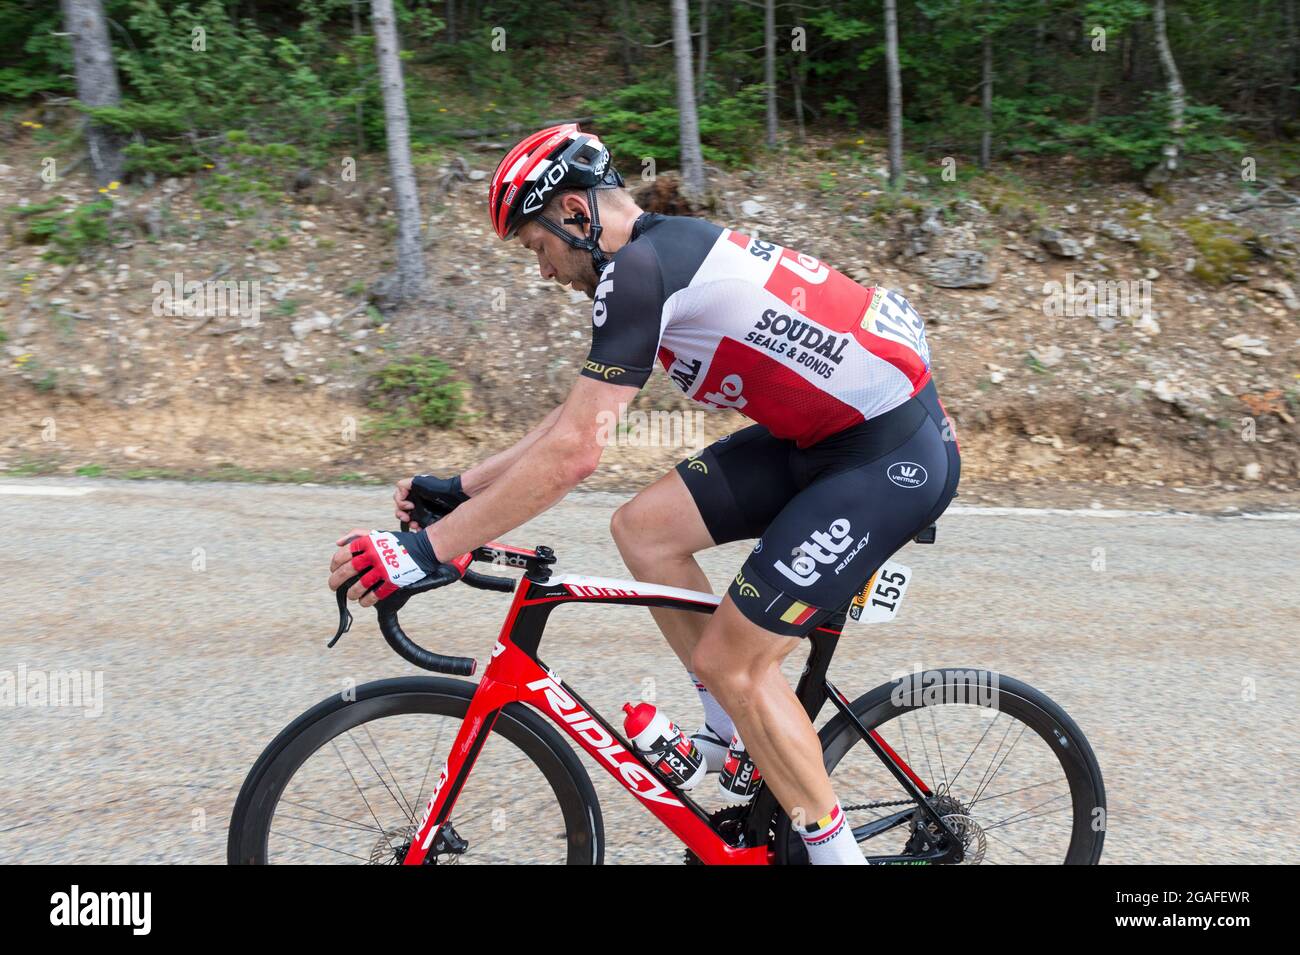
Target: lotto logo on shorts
{"x":821,"y":548}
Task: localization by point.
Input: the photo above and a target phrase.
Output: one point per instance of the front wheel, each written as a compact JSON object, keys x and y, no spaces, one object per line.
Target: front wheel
{"x":347,"y":782}
{"x":1008,"y":769}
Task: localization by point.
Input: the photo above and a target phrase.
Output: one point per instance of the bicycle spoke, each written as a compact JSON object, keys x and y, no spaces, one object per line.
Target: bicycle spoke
{"x":1011,"y":845}
{"x":410,"y":812}
{"x":987,"y":780}
{"x":357,"y":785}
{"x":406,"y":810}
{"x":303,"y":805}
{"x":336,"y":825}
{"x":980,"y":742}
{"x":938,"y":744}
{"x":1012,"y":792}
{"x":289,"y":835}
{"x":1008,"y":820}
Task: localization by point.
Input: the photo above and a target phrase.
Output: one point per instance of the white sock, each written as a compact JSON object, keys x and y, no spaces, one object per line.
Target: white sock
{"x":715,"y":717}
{"x":829,"y":840}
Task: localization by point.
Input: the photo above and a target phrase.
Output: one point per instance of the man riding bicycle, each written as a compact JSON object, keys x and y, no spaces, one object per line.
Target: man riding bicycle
{"x":849,"y":458}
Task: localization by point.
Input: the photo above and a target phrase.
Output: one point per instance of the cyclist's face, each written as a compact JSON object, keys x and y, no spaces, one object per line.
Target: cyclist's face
{"x":559,"y":261}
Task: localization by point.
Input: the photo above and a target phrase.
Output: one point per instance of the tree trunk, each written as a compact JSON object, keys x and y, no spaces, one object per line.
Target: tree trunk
{"x":96,"y":83}
{"x":1286,"y":95}
{"x":703,"y":69}
{"x":688,"y":122}
{"x":769,"y":67}
{"x":361,"y":79}
{"x":410,"y":279}
{"x":797,"y":73}
{"x":1177,"y":101}
{"x":624,"y":44}
{"x":895,"y":95}
{"x":796,"y":84}
{"x":986,"y":95}
{"x":451,"y":21}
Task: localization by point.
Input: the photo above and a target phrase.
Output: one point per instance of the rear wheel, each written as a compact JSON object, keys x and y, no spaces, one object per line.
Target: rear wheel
{"x":348,"y":781}
{"x":1010,"y":772}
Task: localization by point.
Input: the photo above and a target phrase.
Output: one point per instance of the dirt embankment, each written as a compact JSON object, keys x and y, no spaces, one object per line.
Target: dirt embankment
{"x":1082,"y":334}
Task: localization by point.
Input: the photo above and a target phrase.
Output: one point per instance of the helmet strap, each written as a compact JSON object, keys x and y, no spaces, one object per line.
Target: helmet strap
{"x":591,"y":241}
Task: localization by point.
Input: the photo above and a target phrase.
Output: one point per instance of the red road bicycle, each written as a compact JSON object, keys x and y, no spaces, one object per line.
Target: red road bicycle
{"x":1008,"y":778}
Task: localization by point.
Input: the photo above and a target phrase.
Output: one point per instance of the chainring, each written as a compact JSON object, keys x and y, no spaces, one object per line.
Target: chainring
{"x":728,"y":822}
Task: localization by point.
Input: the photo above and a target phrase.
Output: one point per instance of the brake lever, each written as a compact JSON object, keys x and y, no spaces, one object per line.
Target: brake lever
{"x":345,"y":615}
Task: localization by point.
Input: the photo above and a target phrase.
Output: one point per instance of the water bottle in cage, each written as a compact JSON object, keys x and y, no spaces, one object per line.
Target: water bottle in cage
{"x":671,"y":752}
{"x":739,"y":778}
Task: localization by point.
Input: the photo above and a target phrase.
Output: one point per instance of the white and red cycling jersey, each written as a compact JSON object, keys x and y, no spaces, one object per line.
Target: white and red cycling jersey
{"x":745,"y":324}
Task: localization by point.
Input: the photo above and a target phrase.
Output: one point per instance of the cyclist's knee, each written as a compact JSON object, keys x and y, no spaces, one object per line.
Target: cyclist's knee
{"x":720,"y":668}
{"x":640,"y":528}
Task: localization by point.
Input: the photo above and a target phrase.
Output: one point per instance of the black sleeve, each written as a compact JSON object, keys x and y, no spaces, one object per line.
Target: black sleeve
{"x":625,"y":317}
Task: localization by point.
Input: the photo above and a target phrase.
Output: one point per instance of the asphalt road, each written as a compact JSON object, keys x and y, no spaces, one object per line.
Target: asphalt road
{"x":1170,"y":639}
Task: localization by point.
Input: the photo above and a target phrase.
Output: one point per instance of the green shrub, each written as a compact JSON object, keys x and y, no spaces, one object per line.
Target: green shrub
{"x":69,"y":233}
{"x":641,"y":121}
{"x":417,"y":392}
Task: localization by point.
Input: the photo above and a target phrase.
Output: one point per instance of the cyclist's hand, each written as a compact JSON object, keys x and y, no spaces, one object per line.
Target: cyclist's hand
{"x":387,"y":561}
{"x":442,"y":494}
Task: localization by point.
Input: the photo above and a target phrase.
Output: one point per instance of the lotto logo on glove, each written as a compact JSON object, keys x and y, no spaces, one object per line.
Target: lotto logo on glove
{"x":385,"y":565}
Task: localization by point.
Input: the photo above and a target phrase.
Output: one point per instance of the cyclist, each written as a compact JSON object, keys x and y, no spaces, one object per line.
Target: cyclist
{"x":848,"y":459}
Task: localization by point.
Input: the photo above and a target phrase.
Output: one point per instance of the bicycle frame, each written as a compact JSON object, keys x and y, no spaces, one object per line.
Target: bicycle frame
{"x":515,"y":674}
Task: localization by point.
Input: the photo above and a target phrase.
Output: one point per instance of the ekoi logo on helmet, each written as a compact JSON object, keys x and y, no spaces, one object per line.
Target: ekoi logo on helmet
{"x":534,"y":201}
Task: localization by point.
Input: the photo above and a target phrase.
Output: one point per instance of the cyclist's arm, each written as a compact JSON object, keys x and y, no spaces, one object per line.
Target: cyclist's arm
{"x":559,"y":459}
{"x":626,"y":326}
{"x":477,"y":479}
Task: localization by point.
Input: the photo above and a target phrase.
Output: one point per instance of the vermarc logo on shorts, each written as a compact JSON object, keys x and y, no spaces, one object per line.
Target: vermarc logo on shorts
{"x":821,"y":548}
{"x":907,"y":474}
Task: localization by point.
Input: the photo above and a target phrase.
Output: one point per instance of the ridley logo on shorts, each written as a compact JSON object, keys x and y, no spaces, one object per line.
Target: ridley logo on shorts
{"x":907,"y":474}
{"x":820,"y":548}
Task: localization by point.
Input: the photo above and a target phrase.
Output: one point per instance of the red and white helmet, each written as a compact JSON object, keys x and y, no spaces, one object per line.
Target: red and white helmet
{"x":557,"y":158}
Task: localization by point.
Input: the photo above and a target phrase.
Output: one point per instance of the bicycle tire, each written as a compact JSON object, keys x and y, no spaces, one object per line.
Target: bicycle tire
{"x":1019,"y":700}
{"x":255,"y":806}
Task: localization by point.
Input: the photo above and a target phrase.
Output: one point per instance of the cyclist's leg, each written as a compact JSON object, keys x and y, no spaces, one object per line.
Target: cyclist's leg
{"x":694,"y":507}
{"x":811,"y":560}
{"x":740,"y":663}
{"x":657,"y":533}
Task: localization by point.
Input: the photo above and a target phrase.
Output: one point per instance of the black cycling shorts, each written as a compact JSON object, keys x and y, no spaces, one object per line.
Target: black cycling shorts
{"x":826,"y":516}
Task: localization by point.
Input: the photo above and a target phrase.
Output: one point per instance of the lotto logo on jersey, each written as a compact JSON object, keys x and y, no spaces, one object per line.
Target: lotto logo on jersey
{"x":604,"y":288}
{"x":822,"y":548}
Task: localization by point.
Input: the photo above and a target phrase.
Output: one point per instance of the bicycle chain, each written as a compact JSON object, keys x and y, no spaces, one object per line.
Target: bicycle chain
{"x":878,"y":805}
